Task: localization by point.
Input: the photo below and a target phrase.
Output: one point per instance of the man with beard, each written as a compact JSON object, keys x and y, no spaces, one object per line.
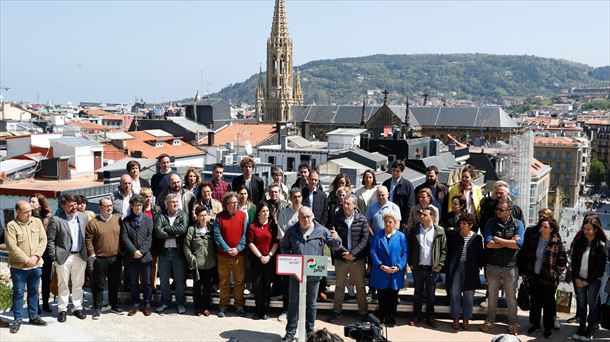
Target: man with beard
{"x":218,"y":186}
{"x":187,"y":198}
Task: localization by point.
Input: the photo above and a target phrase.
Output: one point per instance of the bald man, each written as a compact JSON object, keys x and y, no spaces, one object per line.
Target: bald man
{"x":121,"y":197}
{"x":187,"y":198}
{"x":374,"y":213}
{"x":307,"y":237}
{"x":26,"y":241}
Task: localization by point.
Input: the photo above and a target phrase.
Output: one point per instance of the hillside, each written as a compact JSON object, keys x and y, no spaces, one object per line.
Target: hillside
{"x":481,"y":77}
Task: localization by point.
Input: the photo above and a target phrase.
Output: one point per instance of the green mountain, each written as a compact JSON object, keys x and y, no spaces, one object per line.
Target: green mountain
{"x":481,"y":77}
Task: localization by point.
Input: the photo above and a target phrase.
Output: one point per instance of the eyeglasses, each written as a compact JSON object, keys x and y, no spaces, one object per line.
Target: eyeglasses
{"x":500,"y":209}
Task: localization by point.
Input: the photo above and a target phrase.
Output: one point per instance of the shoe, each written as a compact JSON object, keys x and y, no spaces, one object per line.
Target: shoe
{"x":334,"y":316}
{"x":466,"y":325}
{"x":241,"y":312}
{"x":256,"y":317}
{"x":116,"y":310}
{"x":97,"y":314}
{"x":513,"y":328}
{"x":533,"y":329}
{"x":556,"y":324}
{"x":147,"y":310}
{"x":585,"y":338}
{"x":133,"y":310}
{"x":487,"y":325}
{"x":282,"y":317}
{"x":198,"y":313}
{"x":573,"y":320}
{"x":455,"y":324}
{"x":432,"y":322}
{"x":547,"y":333}
{"x":38,"y":321}
{"x":221,"y":314}
{"x":161,"y":308}
{"x":413,"y":322}
{"x":61,"y":317}
{"x":578,"y":335}
{"x":265,"y":317}
{"x":246,"y":292}
{"x":181,"y":310}
{"x":206,"y":312}
{"x":46,"y":307}
{"x":79,"y":314}
{"x":288,"y":338}
{"x":15,"y":327}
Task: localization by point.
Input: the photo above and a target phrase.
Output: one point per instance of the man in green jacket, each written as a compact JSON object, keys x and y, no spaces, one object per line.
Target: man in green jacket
{"x":427,"y":252}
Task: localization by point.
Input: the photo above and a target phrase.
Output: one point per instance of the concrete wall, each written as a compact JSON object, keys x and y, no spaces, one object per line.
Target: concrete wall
{"x":18,"y":146}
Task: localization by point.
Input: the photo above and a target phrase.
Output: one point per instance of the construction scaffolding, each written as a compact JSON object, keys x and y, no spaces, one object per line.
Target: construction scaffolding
{"x":516,"y":169}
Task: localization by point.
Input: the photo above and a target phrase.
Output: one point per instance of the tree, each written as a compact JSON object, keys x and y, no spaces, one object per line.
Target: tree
{"x":597,"y":173}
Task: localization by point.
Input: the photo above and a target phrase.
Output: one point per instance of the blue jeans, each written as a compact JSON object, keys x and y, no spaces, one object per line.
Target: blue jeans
{"x":424,"y":276}
{"x":588,"y":296}
{"x":461,"y":300}
{"x":172,"y":262}
{"x":510,"y":276}
{"x":21,"y":279}
{"x":310,"y":303}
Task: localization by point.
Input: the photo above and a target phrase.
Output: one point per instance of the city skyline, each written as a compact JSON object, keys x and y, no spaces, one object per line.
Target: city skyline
{"x":63,"y":51}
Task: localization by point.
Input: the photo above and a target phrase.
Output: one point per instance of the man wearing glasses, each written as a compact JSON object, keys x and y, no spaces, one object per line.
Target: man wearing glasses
{"x":307,"y":237}
{"x":230,"y":234}
{"x":503,"y":238}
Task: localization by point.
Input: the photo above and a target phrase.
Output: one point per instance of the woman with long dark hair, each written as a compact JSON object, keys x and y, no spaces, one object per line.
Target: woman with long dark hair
{"x":542,"y":260}
{"x":367,"y":193}
{"x":192,"y":181}
{"x":471,"y":193}
{"x":42,"y":210}
{"x":262,"y":240}
{"x":244,"y":202}
{"x":589,"y":257}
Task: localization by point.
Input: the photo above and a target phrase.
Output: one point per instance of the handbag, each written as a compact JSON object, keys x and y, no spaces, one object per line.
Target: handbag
{"x":523,"y":297}
{"x":604,"y":310}
{"x":563,"y":301}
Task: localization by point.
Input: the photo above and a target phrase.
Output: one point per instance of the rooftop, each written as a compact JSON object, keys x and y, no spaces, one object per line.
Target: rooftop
{"x":141,"y":143}
{"x":239,"y":134}
{"x":77,"y":142}
{"x":49,"y":188}
{"x":559,"y":141}
{"x":538,"y":166}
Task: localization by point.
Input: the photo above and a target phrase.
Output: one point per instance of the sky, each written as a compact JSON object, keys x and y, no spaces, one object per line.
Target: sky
{"x":117,"y":51}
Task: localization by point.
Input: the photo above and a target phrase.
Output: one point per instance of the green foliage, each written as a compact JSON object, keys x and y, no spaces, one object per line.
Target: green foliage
{"x":603,"y":104}
{"x":601,"y":73}
{"x":597,"y":172}
{"x":6,"y":293}
{"x":482,"y":77}
{"x":529,"y":104}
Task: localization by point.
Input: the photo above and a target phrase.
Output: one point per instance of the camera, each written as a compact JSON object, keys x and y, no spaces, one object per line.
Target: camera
{"x":365,"y":331}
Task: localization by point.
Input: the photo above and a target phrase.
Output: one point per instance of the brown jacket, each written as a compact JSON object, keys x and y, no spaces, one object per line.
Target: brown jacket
{"x":24,"y":240}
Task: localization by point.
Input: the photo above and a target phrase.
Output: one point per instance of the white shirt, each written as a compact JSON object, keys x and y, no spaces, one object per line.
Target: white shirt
{"x":135,"y":186}
{"x":75,"y":232}
{"x":584,"y":264}
{"x":126,"y":208}
{"x":202,"y":230}
{"x":171,"y":242}
{"x":311,"y":198}
{"x":425,"y":238}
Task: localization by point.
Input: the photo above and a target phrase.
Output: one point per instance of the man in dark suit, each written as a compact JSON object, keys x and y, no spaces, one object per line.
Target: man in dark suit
{"x":67,"y":248}
{"x":401,"y":192}
{"x":315,"y":198}
{"x":253,"y":182}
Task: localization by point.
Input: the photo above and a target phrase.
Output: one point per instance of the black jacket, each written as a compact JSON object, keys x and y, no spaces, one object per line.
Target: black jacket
{"x":320,"y":205}
{"x":404,"y":197}
{"x":360,"y":235}
{"x":475,"y":259}
{"x":598,"y":256}
{"x":257,"y":187}
{"x":140,"y":239}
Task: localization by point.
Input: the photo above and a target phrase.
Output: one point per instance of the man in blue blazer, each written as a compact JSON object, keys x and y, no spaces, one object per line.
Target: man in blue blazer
{"x":67,"y":248}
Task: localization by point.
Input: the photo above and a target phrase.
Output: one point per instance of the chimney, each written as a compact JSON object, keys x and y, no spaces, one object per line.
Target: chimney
{"x":305,"y":129}
{"x":278,"y":131}
{"x":451,"y":146}
{"x":364,"y":140}
{"x":211,"y":138}
{"x":283,"y":143}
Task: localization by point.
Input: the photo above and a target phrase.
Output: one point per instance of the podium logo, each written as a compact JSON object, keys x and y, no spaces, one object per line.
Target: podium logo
{"x":311,"y":263}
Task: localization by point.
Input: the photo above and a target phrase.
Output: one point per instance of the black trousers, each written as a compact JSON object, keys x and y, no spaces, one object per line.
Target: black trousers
{"x":388,"y":301}
{"x":202,"y":288}
{"x":47,"y":274}
{"x":285,"y":292}
{"x":542,"y":298}
{"x":263,"y":276}
{"x":106,"y":268}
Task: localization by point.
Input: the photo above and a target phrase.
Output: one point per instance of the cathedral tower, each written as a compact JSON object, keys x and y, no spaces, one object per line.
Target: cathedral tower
{"x":279,"y":94}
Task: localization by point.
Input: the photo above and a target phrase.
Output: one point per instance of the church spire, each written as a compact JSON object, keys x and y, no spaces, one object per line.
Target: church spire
{"x":298,"y":91}
{"x":260,"y":93}
{"x":279,"y":28}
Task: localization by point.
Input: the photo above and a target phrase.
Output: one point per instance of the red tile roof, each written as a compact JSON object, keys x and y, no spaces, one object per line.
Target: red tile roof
{"x":559,"y":141}
{"x":140,"y":143}
{"x":240,"y":133}
{"x":537,"y":166}
{"x":113,"y":153}
{"x":89,"y":126}
{"x":95,"y":112}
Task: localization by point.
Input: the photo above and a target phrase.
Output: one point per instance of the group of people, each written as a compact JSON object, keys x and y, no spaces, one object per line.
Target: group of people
{"x":227,"y":235}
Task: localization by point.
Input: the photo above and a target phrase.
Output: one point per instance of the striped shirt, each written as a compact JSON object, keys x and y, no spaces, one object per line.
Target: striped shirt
{"x":465,"y":248}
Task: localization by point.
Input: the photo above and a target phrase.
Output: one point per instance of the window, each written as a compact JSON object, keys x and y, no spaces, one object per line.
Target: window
{"x":568,"y":155}
{"x":549,"y":155}
{"x":290,"y":164}
{"x":558,"y":155}
{"x":271,"y":159}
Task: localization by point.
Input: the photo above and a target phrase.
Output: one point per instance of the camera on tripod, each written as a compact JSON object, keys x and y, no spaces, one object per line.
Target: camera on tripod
{"x":366,"y":331}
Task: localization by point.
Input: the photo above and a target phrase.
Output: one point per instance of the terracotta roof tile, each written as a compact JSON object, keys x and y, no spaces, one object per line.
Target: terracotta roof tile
{"x":139,"y":143}
{"x":113,"y":153}
{"x":95,"y":112}
{"x":238,"y":134}
{"x":559,"y":141}
{"x":90,"y":126}
{"x":537,"y":166}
